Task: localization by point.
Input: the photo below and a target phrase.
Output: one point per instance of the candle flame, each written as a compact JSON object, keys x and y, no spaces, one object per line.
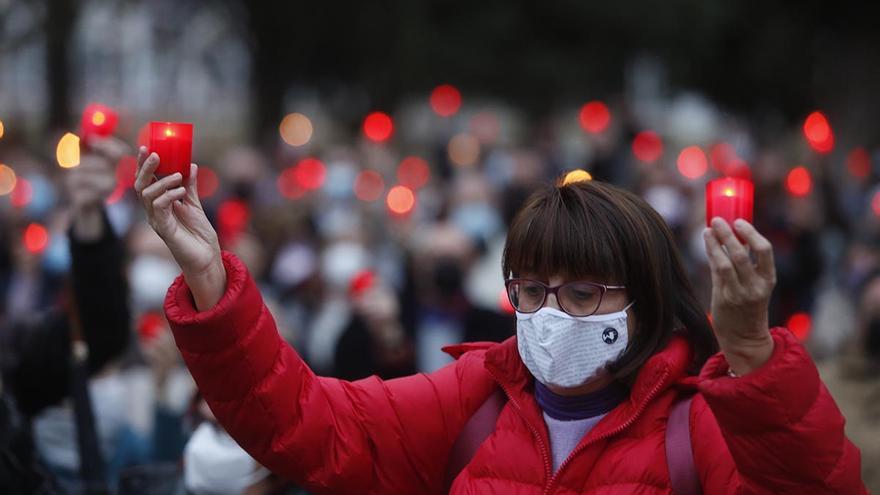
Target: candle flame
{"x":99,"y":118}
{"x":169,"y":132}
{"x":729,"y":192}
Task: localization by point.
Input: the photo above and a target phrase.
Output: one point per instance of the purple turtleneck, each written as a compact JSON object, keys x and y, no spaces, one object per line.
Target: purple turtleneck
{"x":570,"y":418}
{"x":568,"y":408}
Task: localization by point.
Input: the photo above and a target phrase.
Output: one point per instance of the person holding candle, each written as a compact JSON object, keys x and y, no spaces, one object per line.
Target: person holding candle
{"x":610,"y":339}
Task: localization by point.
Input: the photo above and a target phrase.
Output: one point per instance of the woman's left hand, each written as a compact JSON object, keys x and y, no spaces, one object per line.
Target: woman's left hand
{"x":741,"y":292}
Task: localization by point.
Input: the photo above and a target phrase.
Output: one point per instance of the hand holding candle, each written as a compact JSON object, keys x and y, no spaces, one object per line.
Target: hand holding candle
{"x":173,"y":143}
{"x":97,"y":121}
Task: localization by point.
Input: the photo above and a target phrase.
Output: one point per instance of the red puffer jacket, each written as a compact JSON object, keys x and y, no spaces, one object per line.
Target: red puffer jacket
{"x":776,"y":430}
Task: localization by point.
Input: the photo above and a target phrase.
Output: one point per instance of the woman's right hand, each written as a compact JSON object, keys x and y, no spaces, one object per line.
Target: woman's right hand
{"x":175,"y":213}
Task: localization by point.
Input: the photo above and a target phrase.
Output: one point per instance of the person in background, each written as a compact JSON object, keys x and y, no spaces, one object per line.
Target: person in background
{"x":37,"y":353}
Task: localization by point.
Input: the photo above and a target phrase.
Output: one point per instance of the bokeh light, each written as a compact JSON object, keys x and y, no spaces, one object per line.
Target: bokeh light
{"x":232,"y":218}
{"x":577,"y":175}
{"x":295,"y":129}
{"x":800,"y":325}
{"x":445,"y":100}
{"x":858,"y":163}
{"x":647,"y":146}
{"x":692,"y":162}
{"x":22,"y":194}
{"x":413,"y":172}
{"x":594,"y":117}
{"x":485,"y":126}
{"x":369,"y":186}
{"x":400,"y":200}
{"x":875,"y":203}
{"x":1,"y":129}
{"x":722,"y":156}
{"x":67,"y":152}
{"x":798,"y":182}
{"x":287,"y":184}
{"x":208,"y":182}
{"x":310,"y":173}
{"x":818,"y":132}
{"x":378,"y":127}
{"x":464,"y":150}
{"x":7,"y":179}
{"x":35,"y":238}
{"x":504,"y":303}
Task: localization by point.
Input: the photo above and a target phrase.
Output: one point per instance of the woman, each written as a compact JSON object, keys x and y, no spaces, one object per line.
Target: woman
{"x":596,"y":279}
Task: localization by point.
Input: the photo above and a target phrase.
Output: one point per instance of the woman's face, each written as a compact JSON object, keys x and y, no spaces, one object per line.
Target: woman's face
{"x":614,"y":300}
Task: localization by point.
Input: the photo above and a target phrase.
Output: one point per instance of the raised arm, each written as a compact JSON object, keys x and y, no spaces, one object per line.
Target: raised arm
{"x":780,"y":424}
{"x":330,"y":436}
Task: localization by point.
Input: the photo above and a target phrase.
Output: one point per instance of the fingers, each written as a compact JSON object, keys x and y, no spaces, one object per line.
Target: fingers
{"x":147,"y":165}
{"x":154,"y":191}
{"x":759,"y":245}
{"x":719,"y":263}
{"x":163,"y":202}
{"x":735,"y":250}
{"x":192,"y":186}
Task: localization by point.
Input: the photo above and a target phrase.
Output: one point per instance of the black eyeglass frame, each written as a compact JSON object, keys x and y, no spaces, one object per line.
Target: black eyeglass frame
{"x":603,"y":288}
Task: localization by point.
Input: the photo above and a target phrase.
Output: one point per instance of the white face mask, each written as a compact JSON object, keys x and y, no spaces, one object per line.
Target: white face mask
{"x":567,"y":351}
{"x":214,"y":464}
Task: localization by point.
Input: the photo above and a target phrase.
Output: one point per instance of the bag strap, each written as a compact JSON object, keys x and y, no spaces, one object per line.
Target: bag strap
{"x":475,"y":432}
{"x":679,"y":450}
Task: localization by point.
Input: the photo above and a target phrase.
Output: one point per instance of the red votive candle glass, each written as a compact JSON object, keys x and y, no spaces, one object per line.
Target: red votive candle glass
{"x":172,"y":141}
{"x":730,"y":198}
{"x":97,"y":121}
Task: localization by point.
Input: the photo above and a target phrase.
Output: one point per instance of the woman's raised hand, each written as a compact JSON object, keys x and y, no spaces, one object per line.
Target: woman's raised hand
{"x":175,"y":213}
{"x":741,"y":292}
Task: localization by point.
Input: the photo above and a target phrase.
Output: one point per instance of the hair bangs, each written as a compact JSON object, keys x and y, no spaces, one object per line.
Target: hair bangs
{"x":561,"y":232}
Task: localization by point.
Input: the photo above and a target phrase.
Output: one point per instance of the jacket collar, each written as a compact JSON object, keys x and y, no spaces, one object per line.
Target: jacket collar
{"x":660,"y":372}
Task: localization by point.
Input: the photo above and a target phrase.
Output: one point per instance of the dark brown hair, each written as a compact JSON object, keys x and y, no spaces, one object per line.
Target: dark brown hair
{"x":591,"y":229}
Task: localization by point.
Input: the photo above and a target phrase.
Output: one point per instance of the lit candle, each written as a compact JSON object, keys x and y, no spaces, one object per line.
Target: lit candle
{"x":97,"y":120}
{"x":172,"y":141}
{"x":730,"y":198}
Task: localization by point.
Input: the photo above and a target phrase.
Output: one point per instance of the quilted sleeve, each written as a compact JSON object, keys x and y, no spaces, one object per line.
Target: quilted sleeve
{"x":783,"y":430}
{"x":327,"y":435}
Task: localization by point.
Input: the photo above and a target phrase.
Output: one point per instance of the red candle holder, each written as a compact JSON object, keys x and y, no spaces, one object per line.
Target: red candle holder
{"x":730,"y":198}
{"x":97,"y":121}
{"x":172,"y":141}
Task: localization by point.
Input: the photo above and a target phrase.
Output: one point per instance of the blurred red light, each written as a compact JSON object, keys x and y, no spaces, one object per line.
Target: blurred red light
{"x":401,"y":200}
{"x":232,"y":218}
{"x":647,"y":146}
{"x":858,"y":162}
{"x":818,"y":132}
{"x":875,"y":203}
{"x":361,"y":283}
{"x":208,"y":182}
{"x":445,"y":100}
{"x":22,"y":194}
{"x":692,"y":162}
{"x":722,"y":156}
{"x":798,"y":182}
{"x":378,"y":127}
{"x":594,"y":117}
{"x":126,"y":171}
{"x":36,"y":238}
{"x":369,"y":186}
{"x":288,"y":185}
{"x":413,"y":172}
{"x":151,"y":324}
{"x":800,"y":325}
{"x":310,"y":173}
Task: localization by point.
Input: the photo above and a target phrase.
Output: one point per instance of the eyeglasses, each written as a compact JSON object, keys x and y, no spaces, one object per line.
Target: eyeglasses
{"x":575,"y":298}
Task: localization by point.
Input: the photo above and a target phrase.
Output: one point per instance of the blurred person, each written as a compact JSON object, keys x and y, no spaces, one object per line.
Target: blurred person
{"x":374,"y":341}
{"x":46,"y":356}
{"x":435,"y":299}
{"x":589,"y":383}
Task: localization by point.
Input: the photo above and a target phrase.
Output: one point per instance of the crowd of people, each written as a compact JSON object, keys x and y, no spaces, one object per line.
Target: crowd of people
{"x":371,"y":255}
